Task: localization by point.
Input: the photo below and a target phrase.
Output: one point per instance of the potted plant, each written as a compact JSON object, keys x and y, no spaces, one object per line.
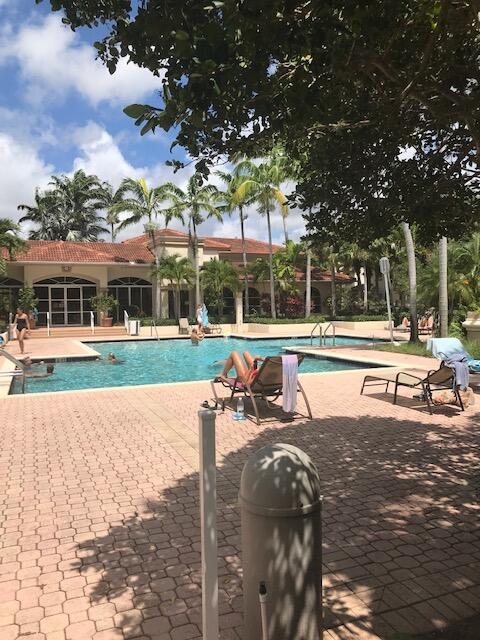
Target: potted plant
{"x":27,"y":300}
{"x":103,"y":304}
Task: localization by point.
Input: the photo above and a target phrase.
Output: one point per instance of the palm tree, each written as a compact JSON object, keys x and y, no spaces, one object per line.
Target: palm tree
{"x":263,"y":184}
{"x":143,"y":204}
{"x":356,"y":258}
{"x":78,"y":199}
{"x":233,"y":198}
{"x":218,"y":275}
{"x":412,"y":280}
{"x":10,"y":241}
{"x":194,"y":202}
{"x":179,"y":271}
{"x":67,"y":211}
{"x":466,"y":257}
{"x":443,"y":286}
{"x":109,"y":200}
{"x":50,"y":222}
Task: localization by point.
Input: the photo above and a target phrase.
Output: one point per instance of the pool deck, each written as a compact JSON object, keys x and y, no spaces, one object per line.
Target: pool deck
{"x":99,"y":517}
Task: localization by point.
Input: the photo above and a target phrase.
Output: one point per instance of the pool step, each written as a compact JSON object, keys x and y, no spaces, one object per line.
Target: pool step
{"x":77,"y":332}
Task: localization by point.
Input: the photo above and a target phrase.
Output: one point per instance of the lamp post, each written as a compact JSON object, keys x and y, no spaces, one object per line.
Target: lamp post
{"x":385,"y":271}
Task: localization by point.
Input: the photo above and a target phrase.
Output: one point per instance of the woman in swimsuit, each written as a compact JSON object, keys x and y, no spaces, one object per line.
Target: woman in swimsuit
{"x":245,"y":369}
{"x":22,"y":326}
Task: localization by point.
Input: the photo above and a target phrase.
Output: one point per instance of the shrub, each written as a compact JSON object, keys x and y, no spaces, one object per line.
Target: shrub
{"x":266,"y":320}
{"x":362,"y":318}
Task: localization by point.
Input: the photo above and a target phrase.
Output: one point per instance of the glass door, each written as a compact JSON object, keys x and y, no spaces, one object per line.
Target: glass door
{"x":57,"y":306}
{"x":73,"y":305}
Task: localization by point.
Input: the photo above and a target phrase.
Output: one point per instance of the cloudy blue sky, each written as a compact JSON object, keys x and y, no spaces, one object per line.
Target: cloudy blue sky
{"x":61,"y":110}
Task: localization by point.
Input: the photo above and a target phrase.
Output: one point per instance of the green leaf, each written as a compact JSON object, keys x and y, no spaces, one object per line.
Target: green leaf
{"x":150,"y":125}
{"x":135,"y":110}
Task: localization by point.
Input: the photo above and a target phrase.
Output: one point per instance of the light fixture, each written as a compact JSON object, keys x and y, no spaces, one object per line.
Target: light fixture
{"x":66,"y":267}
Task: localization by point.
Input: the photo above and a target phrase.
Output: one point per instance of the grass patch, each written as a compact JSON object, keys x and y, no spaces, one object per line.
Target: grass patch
{"x":420,"y":348}
{"x":411,"y":349}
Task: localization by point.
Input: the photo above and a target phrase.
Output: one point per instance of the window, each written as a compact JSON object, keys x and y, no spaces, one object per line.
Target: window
{"x":228,"y":302}
{"x":66,"y":299}
{"x":316,"y":300}
{"x":134,"y":296}
{"x":253,"y":301}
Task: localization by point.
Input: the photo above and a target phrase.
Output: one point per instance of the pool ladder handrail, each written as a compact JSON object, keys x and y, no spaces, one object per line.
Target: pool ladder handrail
{"x":92,"y":322}
{"x":320,"y":335}
{"x":153,"y":325}
{"x":330,"y":324}
{"x":125,"y":319}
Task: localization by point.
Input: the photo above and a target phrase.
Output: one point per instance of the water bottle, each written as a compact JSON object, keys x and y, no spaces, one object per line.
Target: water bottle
{"x":240,"y":413}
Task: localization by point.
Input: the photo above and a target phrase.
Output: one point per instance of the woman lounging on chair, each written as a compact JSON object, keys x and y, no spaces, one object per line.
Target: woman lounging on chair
{"x":246,"y":368}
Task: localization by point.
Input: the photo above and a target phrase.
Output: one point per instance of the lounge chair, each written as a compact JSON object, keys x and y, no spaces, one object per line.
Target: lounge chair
{"x":426,"y":326}
{"x":183,"y":326}
{"x":213,"y":329}
{"x":445,"y":348}
{"x":436,"y":380}
{"x":267,"y":385}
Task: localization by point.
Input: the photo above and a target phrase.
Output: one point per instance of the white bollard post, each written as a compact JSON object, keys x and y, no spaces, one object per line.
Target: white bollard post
{"x":208,"y":521}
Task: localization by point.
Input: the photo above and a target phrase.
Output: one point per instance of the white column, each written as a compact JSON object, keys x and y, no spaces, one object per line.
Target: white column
{"x":208,"y":524}
{"x":239,"y":310}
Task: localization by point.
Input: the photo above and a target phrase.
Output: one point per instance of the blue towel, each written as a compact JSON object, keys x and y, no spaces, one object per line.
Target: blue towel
{"x":458,"y":363}
{"x":444,"y":348}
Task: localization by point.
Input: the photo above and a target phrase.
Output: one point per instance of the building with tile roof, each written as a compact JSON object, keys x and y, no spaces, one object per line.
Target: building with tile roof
{"x":65,"y":275}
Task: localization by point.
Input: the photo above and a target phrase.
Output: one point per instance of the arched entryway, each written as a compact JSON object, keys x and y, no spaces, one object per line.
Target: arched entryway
{"x":66,"y":298}
{"x":134,"y":295}
{"x":254,"y":301}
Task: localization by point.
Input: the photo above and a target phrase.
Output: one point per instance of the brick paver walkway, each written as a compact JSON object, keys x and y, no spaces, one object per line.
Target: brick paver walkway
{"x":100,"y":524}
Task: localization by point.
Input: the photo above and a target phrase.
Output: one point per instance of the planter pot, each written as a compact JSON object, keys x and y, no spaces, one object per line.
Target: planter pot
{"x":106,"y":322}
{"x":33,"y":323}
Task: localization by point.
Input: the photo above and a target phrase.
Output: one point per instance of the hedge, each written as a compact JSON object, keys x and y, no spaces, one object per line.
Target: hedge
{"x":263,"y":320}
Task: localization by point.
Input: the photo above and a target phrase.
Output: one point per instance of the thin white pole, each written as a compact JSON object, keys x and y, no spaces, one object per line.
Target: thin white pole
{"x":208,"y":522}
{"x":389,"y":309}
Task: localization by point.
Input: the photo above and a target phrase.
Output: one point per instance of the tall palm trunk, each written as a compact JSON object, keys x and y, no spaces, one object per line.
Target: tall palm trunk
{"x":177,"y":301}
{"x":412,"y":281}
{"x":244,"y":257}
{"x":308,"y":285}
{"x":333,"y":273}
{"x":273,"y":310}
{"x":365,"y":287}
{"x":443,"y":286}
{"x":112,"y":226}
{"x":158,"y":280}
{"x":285,"y":232}
{"x":196,"y":263}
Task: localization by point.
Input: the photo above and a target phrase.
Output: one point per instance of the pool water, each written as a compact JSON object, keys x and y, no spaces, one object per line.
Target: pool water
{"x":152,"y":362}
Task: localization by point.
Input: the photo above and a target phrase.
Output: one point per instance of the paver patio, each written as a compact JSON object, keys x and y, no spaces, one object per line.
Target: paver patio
{"x":100,"y":522}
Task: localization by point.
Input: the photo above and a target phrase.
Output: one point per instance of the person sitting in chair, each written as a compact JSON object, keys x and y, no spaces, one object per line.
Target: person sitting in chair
{"x":245,"y":368}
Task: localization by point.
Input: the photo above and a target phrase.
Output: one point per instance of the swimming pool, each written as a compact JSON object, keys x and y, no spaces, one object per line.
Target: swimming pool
{"x":152,"y":362}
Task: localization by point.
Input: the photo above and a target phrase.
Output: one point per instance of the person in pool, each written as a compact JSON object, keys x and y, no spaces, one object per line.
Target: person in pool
{"x":196,"y":336}
{"x":112,"y":358}
{"x":22,"y":326}
{"x":245,"y":368}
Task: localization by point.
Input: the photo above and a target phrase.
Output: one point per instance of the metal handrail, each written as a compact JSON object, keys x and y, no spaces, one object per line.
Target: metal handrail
{"x":319,"y":324}
{"x":92,"y":322}
{"x":330,"y":324}
{"x":125,"y":319}
{"x":10,"y":323}
{"x":48,"y":323}
{"x":154,"y":326}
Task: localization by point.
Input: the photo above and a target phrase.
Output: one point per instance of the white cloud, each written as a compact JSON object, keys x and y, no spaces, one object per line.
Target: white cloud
{"x":21,"y":170}
{"x":55,"y":62}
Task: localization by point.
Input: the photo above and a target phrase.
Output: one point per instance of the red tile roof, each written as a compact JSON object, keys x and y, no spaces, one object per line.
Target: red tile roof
{"x":319,"y":275}
{"x":251,"y":246}
{"x":83,"y":252}
{"x":209,"y":243}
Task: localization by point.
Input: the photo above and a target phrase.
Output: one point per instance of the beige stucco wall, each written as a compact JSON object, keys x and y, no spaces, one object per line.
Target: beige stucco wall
{"x":96,"y":273}
{"x":15,"y":271}
{"x":132,"y":272}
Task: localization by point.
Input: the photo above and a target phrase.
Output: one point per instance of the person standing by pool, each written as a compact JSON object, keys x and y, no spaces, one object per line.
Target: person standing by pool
{"x":196,"y":336}
{"x":199,"y":316}
{"x":22,"y":326}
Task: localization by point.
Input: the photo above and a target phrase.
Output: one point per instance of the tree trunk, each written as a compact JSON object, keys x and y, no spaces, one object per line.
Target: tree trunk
{"x":365,"y":287}
{"x":412,"y":281}
{"x":197,"y":266}
{"x":245,"y":266}
{"x":273,"y":310}
{"x":158,"y":282}
{"x":443,"y":286}
{"x":308,"y":285}
{"x":177,"y":301}
{"x":285,"y":232}
{"x":333,"y":273}
{"x":113,"y":231}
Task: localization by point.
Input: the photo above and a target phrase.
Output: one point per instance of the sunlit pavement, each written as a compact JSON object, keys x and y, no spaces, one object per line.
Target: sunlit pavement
{"x":100,"y":516}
